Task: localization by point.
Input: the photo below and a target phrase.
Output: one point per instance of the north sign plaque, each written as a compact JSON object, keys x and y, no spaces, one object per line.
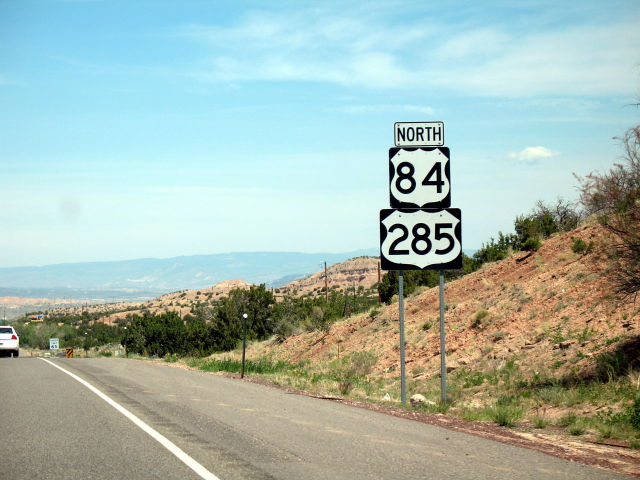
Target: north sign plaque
{"x":418,"y":134}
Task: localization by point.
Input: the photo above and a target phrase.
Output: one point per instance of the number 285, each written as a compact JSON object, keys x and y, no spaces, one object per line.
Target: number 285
{"x":419,"y":239}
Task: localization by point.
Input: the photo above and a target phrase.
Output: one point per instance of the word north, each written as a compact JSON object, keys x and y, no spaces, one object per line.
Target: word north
{"x":419,"y":134}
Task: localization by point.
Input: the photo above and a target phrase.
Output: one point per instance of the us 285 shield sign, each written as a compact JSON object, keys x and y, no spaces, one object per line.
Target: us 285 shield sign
{"x":421,"y":239}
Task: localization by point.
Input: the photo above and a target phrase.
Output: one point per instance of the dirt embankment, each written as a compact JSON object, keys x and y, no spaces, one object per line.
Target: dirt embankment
{"x":552,"y":308}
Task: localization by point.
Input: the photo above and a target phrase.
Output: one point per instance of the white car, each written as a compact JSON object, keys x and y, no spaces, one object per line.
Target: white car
{"x":9,"y":341}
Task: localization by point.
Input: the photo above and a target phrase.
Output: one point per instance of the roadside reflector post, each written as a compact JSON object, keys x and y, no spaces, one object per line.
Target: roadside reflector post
{"x":443,"y":361}
{"x":126,"y":352}
{"x":244,"y":341}
{"x":403,"y":378}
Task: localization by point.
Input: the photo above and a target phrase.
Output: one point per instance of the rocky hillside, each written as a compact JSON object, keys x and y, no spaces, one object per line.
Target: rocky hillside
{"x":551,"y":309}
{"x":357,"y":272}
{"x":180,"y":302}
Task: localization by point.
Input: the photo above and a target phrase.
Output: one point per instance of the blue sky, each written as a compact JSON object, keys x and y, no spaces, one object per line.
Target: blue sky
{"x":136,"y":129}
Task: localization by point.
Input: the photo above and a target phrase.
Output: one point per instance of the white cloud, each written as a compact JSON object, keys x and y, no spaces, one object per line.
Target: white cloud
{"x":494,"y":59}
{"x":583,"y":60}
{"x":533,"y":155}
{"x":362,"y":109}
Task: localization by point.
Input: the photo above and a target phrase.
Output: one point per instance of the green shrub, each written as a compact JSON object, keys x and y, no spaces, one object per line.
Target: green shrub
{"x":505,"y":415}
{"x":614,"y":197}
{"x":540,"y":421}
{"x":260,"y":366}
{"x":581,"y":247}
{"x":495,"y":250}
{"x":498,"y":336}
{"x":545,"y":220}
{"x":634,"y":413}
{"x":567,"y":419}
{"x":171,"y":357}
{"x":284,"y":327}
{"x":576,"y":429}
{"x":350,"y":370}
{"x":479,"y":318}
{"x":531,"y":244}
{"x":471,"y":378}
{"x":606,"y":431}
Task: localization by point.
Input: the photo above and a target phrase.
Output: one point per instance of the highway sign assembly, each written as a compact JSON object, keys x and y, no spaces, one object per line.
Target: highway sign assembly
{"x":54,"y":344}
{"x":420,"y":231}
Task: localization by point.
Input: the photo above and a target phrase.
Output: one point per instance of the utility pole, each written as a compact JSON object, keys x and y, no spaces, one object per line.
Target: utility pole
{"x":326,"y":283}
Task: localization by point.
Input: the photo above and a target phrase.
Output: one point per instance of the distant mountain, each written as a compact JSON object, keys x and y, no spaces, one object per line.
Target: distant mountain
{"x":157,"y":276}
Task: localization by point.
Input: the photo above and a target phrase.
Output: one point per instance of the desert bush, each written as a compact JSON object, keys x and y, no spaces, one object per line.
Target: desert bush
{"x":258,"y":366}
{"x":614,"y":197}
{"x":567,"y":419}
{"x":580,"y":247}
{"x":540,"y":421}
{"x":505,"y":415}
{"x":544,"y":221}
{"x":495,"y":250}
{"x":318,"y":320}
{"x":350,"y":370}
{"x":576,"y":429}
{"x":634,"y":413}
{"x":284,"y":327}
{"x":171,"y":358}
{"x":531,"y":244}
{"x":480,"y":318}
{"x":470,"y":378}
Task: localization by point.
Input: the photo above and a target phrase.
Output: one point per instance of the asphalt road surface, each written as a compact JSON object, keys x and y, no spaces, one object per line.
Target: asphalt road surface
{"x":191,"y":425}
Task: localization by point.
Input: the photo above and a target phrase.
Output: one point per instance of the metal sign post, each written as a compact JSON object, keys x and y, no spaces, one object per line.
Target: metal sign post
{"x":403,"y":376}
{"x":443,"y":348}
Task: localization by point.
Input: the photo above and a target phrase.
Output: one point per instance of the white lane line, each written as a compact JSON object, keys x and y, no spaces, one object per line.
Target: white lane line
{"x":164,"y":441}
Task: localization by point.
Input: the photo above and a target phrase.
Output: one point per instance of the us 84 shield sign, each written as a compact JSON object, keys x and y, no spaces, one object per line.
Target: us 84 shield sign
{"x":419,"y":177}
{"x":412,"y":239}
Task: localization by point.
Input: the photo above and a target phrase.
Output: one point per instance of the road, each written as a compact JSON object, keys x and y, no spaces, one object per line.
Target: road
{"x":55,"y":427}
